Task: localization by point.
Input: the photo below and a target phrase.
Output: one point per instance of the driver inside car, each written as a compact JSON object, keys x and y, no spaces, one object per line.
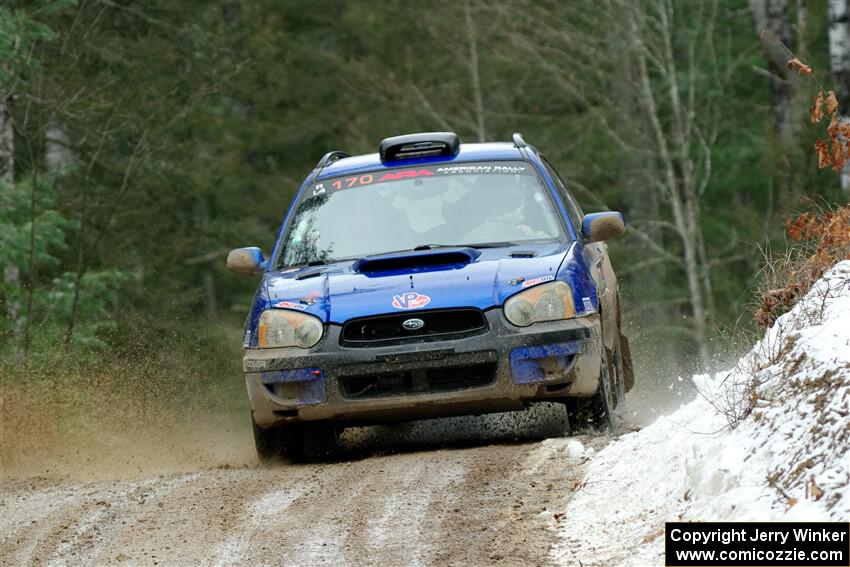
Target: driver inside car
{"x":512,"y":208}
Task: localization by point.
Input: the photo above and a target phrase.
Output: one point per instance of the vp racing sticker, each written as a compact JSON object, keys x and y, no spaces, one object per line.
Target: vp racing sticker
{"x":410,"y":300}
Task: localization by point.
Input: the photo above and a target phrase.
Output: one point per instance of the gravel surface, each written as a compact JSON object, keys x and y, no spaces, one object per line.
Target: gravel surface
{"x":465,"y":491}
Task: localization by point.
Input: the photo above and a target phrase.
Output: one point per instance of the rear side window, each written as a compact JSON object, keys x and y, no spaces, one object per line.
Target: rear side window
{"x":573,"y":210}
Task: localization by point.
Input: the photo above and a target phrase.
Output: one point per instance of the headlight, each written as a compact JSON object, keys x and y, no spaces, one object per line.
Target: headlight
{"x":545,"y":302}
{"x":282,"y":328}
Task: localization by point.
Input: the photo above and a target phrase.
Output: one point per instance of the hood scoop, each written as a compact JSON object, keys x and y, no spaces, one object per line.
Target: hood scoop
{"x":415,"y":259}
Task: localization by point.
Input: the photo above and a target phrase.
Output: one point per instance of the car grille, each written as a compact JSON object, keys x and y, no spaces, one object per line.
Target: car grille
{"x":384,"y":330}
{"x":419,"y":381}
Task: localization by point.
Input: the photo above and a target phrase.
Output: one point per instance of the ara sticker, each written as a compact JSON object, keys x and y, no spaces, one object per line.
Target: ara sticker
{"x":588,"y":304}
{"x":410,"y":300}
{"x":535,"y":281}
{"x":405,"y":174}
{"x":288,"y":305}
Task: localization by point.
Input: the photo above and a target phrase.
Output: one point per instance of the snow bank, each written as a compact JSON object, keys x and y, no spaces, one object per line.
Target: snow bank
{"x":769,"y":440}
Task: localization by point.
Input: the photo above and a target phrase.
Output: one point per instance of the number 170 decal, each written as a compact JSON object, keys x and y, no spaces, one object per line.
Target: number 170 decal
{"x":349,"y":182}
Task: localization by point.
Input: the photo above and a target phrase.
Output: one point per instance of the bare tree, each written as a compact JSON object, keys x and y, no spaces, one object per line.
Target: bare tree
{"x":839,"y":57}
{"x":475,"y":76}
{"x":772,"y":17}
{"x":642,"y":58}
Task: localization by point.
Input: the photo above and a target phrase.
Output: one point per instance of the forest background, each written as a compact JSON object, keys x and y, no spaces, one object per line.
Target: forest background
{"x":141,"y":140}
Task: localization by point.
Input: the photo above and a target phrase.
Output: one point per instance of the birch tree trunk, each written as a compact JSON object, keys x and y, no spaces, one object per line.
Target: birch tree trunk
{"x":839,"y":57}
{"x":478,"y":100}
{"x":772,"y":16}
{"x":677,"y":173}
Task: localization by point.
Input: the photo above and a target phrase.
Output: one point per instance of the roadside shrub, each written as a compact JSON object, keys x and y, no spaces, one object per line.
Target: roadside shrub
{"x":822,"y":239}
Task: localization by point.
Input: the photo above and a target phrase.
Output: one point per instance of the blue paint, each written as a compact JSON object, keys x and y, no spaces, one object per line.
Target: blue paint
{"x":296,"y":375}
{"x":339,"y":292}
{"x":311,"y":386}
{"x":525,"y":362}
{"x":575,"y":270}
{"x":468,"y":152}
{"x":313,"y":392}
{"x":342,"y":293}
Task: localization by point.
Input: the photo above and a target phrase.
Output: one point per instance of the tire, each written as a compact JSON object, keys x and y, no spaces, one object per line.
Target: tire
{"x":627,"y":366}
{"x":300,"y":442}
{"x":318,"y":442}
{"x":267,"y":443}
{"x":615,"y":372}
{"x":597,"y":411}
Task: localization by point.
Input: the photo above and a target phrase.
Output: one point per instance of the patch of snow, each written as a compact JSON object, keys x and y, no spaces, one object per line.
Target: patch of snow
{"x":575,"y":450}
{"x":768,"y":440}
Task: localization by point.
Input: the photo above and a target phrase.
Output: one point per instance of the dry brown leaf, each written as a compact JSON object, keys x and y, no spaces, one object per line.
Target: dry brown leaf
{"x":797,"y":229}
{"x":797,"y":65}
{"x":823,"y":154}
{"x":838,"y":155}
{"x":834,"y":129}
{"x":831,"y":102}
{"x":816,"y":112}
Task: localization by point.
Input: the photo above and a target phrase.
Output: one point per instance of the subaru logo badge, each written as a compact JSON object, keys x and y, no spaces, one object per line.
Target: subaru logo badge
{"x":413,"y":324}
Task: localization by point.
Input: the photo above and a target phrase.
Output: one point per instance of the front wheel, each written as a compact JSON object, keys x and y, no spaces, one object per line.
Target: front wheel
{"x":268,"y":443}
{"x":299,"y":441}
{"x":597,"y":411}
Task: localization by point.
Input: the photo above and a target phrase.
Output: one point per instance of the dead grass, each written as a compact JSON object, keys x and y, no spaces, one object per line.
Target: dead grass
{"x":822,"y":239}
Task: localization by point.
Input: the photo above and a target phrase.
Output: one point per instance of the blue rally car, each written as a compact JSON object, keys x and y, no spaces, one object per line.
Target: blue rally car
{"x":431,"y":279}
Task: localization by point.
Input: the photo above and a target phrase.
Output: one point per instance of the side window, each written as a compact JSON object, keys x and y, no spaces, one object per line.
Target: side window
{"x":573,"y":210}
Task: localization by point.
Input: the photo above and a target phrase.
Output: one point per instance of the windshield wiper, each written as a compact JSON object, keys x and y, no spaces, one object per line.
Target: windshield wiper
{"x":482,"y":245}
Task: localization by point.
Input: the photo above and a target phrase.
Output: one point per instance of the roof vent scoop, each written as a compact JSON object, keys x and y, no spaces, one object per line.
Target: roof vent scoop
{"x":425,"y":144}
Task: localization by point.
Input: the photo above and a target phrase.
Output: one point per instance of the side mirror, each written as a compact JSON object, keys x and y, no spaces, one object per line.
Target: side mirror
{"x":602,"y":226}
{"x":248,"y":261}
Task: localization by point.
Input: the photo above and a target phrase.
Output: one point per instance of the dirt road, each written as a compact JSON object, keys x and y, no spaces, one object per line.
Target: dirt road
{"x":450,"y":492}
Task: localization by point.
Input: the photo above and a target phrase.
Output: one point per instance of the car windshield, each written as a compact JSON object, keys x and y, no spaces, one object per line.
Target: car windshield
{"x":423,"y":206}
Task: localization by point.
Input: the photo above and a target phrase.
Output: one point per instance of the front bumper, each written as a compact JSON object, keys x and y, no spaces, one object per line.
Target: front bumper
{"x":499,"y":370}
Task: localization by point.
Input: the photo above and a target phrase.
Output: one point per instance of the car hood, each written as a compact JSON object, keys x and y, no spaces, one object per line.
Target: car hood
{"x":341,"y":291}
